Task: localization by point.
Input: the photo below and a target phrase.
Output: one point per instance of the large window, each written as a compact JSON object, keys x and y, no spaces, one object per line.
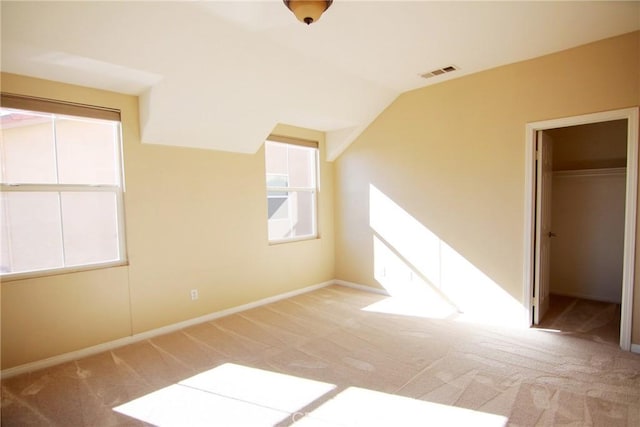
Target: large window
{"x":292,"y":189}
{"x":62,"y":187}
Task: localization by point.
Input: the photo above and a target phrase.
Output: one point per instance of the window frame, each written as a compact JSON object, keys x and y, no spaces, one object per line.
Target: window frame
{"x":67,"y":110}
{"x":314,"y":189}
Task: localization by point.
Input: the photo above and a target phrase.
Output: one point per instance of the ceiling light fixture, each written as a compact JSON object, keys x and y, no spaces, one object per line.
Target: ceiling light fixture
{"x":308,"y":11}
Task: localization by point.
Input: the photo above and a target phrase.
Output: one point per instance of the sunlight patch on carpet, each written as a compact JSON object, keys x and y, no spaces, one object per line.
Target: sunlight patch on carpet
{"x":360,"y":407}
{"x":228,"y":395}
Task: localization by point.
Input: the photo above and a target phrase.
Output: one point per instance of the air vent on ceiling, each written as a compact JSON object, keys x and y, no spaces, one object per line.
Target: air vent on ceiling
{"x":439,"y":71}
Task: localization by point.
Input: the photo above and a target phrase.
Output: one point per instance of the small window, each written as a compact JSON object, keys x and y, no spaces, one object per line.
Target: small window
{"x":292,"y":191}
{"x":61,"y":183}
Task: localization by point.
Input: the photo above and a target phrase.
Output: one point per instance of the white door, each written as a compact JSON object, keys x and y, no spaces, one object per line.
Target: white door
{"x":544,"y":175}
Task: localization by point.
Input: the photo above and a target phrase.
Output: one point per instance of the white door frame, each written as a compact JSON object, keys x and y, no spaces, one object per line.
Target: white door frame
{"x":631,"y":115}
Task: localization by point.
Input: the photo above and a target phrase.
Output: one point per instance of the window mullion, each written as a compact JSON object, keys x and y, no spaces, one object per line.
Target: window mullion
{"x":57,"y":169}
{"x":54,"y":130}
{"x":289,"y":199}
{"x":314,"y":212}
{"x":119,"y":154}
{"x":64,"y":252}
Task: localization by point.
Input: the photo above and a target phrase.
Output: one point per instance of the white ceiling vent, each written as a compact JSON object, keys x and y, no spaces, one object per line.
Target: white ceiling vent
{"x":439,"y":71}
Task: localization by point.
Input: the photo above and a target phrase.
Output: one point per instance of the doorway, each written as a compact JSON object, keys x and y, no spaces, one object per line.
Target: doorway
{"x":536,"y":262}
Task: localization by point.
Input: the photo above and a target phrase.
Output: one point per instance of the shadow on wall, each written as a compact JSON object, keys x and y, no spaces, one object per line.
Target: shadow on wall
{"x":427,"y":277}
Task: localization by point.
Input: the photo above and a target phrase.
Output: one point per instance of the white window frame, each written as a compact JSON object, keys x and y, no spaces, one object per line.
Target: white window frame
{"x":17,"y":103}
{"x":314,"y":190}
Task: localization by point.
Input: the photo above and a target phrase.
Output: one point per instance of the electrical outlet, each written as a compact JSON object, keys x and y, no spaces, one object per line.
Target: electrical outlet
{"x":194,"y":294}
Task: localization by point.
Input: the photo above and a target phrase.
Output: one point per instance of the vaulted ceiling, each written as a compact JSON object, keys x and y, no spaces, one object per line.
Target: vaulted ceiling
{"x":221,"y":75}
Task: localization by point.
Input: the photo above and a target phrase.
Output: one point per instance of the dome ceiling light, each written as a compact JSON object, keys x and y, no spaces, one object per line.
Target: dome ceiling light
{"x":308,"y":11}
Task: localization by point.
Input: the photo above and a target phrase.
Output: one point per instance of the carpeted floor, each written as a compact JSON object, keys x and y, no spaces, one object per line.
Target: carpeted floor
{"x":593,"y":320}
{"x":323,"y":359}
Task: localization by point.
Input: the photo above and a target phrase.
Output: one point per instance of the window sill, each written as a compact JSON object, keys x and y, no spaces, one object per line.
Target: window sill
{"x":10,"y":277}
{"x":295,"y":239}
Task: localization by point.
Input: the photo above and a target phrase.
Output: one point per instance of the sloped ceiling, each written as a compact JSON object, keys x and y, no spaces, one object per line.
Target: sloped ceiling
{"x":221,"y":75}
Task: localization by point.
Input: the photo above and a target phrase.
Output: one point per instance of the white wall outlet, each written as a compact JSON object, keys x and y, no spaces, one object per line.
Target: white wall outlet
{"x":194,"y":294}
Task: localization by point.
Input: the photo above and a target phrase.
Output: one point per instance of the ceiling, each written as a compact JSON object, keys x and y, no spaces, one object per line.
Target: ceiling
{"x":221,"y":75}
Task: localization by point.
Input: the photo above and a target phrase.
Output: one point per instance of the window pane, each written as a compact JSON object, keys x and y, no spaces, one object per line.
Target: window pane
{"x":300,"y":218}
{"x":90,"y":227}
{"x":301,"y":167}
{"x":31,"y":233}
{"x":276,"y":158}
{"x":280,"y":229}
{"x":87,"y":151}
{"x":27,"y":148}
{"x":304,"y":213}
{"x":278,"y":206}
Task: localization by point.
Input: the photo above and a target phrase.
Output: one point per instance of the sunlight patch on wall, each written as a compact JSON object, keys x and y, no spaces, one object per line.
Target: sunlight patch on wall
{"x":412,"y":262}
{"x":418,"y":245}
{"x":411,"y":293}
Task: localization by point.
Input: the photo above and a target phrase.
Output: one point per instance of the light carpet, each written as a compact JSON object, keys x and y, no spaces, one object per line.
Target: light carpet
{"x":320,"y":359}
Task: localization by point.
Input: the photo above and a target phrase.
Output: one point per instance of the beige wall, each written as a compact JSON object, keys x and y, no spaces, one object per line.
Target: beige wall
{"x":587,"y":216}
{"x":590,"y":146}
{"x":194,"y":219}
{"x":452,"y":155}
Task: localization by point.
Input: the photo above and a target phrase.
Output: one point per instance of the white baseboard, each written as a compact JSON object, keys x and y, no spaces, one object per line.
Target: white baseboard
{"x":361,"y":287}
{"x":100,"y":348}
{"x":107,"y":346}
